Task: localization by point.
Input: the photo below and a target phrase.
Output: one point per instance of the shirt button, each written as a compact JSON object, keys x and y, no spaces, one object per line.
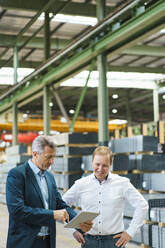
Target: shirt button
{"x":99,"y":193}
{"x":99,"y":222}
{"x":99,"y":201}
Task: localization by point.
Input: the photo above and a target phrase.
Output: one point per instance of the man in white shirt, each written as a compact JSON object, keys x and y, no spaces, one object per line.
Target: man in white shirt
{"x":106,"y":193}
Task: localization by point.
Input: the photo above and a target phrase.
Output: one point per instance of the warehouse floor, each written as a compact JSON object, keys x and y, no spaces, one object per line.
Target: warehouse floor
{"x":64,"y":237}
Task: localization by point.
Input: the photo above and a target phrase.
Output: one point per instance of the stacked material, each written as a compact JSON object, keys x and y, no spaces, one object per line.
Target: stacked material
{"x":157,"y":214}
{"x":144,"y":235}
{"x":146,"y":232}
{"x":124,"y":162}
{"x":158,"y":236}
{"x":154,"y":200}
{"x":154,"y":181}
{"x":138,"y":236}
{"x":69,"y":151}
{"x":138,"y":143}
{"x":87,"y":163}
{"x":147,"y":181}
{"x":136,"y":179}
{"x":66,"y":164}
{"x":142,"y":162}
{"x":4,"y":169}
{"x":15,"y":155}
{"x":135,"y":158}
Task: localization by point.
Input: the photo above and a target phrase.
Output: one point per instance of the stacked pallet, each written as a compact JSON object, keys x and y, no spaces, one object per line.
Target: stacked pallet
{"x":4,"y":168}
{"x":137,"y":158}
{"x":133,"y":144}
{"x":15,"y":155}
{"x":69,"y":151}
{"x":158,"y":236}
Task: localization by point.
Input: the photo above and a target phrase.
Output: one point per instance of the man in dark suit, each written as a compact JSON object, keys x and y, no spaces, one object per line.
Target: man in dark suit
{"x":33,"y":202}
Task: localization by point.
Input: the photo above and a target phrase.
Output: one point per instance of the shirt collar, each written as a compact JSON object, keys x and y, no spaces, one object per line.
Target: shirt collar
{"x":34,"y":168}
{"x":110,"y":176}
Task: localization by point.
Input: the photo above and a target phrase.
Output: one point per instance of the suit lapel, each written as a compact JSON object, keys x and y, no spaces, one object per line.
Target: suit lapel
{"x":48,"y":180}
{"x":34,"y":182}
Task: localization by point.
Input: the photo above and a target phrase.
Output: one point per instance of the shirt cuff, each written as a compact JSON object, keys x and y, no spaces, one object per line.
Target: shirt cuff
{"x":131,"y":232}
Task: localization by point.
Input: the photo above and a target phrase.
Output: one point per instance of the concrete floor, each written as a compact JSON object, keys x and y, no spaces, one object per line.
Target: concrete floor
{"x":64,"y":237}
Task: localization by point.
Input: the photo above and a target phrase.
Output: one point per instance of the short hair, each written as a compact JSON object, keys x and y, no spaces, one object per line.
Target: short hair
{"x":40,"y":142}
{"x":103,"y":150}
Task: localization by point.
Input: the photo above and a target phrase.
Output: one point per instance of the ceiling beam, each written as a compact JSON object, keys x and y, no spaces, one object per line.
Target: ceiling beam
{"x":146,"y":51}
{"x":82,"y":9}
{"x":22,"y":64}
{"x":140,"y":69}
{"x":36,"y":42}
{"x":35,"y":64}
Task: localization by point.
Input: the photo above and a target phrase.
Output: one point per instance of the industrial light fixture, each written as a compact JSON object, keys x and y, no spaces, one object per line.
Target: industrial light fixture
{"x":83,"y":20}
{"x":50,"y":104}
{"x":25,"y":116}
{"x":117,"y":121}
{"x":162,"y":31}
{"x":114,"y":111}
{"x":163,"y":96}
{"x":71,"y":111}
{"x":115,"y":96}
{"x":63,"y":120}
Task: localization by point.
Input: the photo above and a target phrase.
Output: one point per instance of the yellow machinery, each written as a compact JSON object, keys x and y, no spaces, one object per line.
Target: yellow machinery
{"x":57,"y":125}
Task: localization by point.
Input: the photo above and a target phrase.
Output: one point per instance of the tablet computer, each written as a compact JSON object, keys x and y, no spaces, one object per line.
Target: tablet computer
{"x":84,"y":216}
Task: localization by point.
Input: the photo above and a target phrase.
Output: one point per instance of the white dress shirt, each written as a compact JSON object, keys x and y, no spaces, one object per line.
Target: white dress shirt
{"x":44,"y":190}
{"x":108,"y":198}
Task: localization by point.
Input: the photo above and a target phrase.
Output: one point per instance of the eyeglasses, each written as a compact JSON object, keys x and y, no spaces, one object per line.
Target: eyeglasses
{"x":47,"y":156}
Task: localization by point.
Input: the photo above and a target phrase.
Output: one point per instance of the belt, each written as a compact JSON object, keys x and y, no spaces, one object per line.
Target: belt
{"x":43,"y":237}
{"x":101,"y":237}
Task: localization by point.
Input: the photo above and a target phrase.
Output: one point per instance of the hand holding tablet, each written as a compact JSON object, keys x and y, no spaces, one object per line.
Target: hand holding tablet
{"x":84,"y":216}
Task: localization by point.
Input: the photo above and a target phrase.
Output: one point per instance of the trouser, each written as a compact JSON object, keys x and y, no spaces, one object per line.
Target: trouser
{"x":98,"y":241}
{"x":42,"y":243}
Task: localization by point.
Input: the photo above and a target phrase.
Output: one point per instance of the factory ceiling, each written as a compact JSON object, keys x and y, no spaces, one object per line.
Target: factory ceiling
{"x":140,"y":51}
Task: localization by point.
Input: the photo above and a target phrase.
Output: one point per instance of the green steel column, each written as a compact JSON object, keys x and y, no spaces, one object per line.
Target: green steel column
{"x":156,"y":104}
{"x":15,"y":64}
{"x":47,"y":36}
{"x":14,"y":108}
{"x":100,"y":9}
{"x":71,"y":127}
{"x":46,"y":110}
{"x":128,"y":109}
{"x":103,"y":135}
{"x":15,"y":125}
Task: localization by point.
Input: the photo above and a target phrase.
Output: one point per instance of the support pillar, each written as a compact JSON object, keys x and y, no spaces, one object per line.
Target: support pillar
{"x":103,"y":134}
{"x":46,"y":110}
{"x":14,"y":108}
{"x":15,"y":64}
{"x":47,"y":36}
{"x":156,"y":104}
{"x":15,"y":125}
{"x":128,"y":110}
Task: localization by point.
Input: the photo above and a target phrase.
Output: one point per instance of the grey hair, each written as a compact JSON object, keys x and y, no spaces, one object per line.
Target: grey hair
{"x":40,"y":142}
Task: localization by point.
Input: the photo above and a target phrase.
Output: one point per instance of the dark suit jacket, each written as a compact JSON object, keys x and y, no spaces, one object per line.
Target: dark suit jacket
{"x":26,"y":207}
